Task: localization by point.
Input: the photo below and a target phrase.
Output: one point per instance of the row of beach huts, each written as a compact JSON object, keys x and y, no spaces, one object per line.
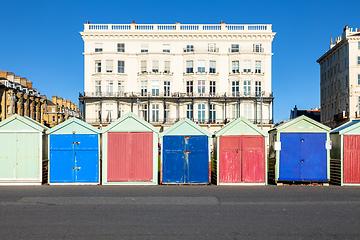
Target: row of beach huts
{"x":126,"y":153}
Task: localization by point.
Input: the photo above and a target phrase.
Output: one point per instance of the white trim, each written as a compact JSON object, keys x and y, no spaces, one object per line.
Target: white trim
{"x":20,"y":131}
{"x":351,"y":184}
{"x":243,"y":184}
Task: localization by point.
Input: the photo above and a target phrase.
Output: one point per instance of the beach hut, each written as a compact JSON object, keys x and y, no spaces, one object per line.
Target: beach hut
{"x":22,"y":150}
{"x":74,"y":153}
{"x":345,"y":154}
{"x":185,"y":155}
{"x":300,"y":151}
{"x":240,"y":156}
{"x":130,"y":152}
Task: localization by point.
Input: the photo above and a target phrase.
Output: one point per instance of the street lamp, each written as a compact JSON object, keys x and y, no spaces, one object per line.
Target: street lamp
{"x":138,"y":103}
{"x":260,"y":96}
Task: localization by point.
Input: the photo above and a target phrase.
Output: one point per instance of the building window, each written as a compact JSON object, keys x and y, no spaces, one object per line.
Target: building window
{"x":189,"y":66}
{"x":235,"y":66}
{"x":143,"y":88}
{"x":109,"y":66}
{"x":358,"y":60}
{"x":235,"y":111}
{"x":235,"y":88}
{"x":167,"y":67}
{"x":358,"y":79}
{"x":155,"y":66}
{"x":212,"y":88}
{"x":144,"y":48}
{"x":247,"y":111}
{"x":189,"y":87}
{"x":98,"y":66}
{"x":257,"y":88}
{"x":201,"y":113}
{"x":257,"y":66}
{"x":212,"y":47}
{"x":155,"y":88}
{"x":359,"y":45}
{"x":97,"y":88}
{"x":53,"y":118}
{"x":257,"y":48}
{"x":166,"y":48}
{"x":166,"y":112}
{"x":247,"y":88}
{"x":121,"y":88}
{"x":234,"y":47}
{"x":166,"y":88}
{"x":98,"y":47}
{"x":190,"y":111}
{"x":346,"y":62}
{"x":247,"y":66}
{"x":109,"y":87}
{"x":121,"y":66}
{"x":144,"y":111}
{"x":201,"y":87}
{"x":212,"y":113}
{"x":121,"y":47}
{"x":201,"y":66}
{"x":212,"y":68}
{"x":189,"y":48}
{"x":155,"y":112}
{"x":143,"y":66}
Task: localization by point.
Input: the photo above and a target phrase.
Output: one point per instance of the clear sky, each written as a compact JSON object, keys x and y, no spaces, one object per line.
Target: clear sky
{"x":40,"y":40}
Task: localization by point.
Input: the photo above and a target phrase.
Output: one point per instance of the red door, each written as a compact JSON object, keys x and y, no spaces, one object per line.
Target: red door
{"x":242,"y":159}
{"x":253,"y":155}
{"x":351,"y":163}
{"x":130,"y":157}
{"x":230,"y":159}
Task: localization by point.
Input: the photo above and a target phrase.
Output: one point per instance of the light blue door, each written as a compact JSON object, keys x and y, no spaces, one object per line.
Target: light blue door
{"x":74,"y":158}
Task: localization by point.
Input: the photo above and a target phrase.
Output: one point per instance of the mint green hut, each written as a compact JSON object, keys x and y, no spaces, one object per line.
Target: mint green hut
{"x":185,"y":155}
{"x":22,"y":150}
{"x":130,"y":152}
{"x":74,"y":153}
{"x":240,"y":156}
{"x":299,"y":151}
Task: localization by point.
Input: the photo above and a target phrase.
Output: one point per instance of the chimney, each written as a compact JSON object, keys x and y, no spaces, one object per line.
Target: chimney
{"x":29,"y":84}
{"x":10,"y":76}
{"x":3,"y":74}
{"x":23,"y":81}
{"x":54,"y":98}
{"x":17,"y":79}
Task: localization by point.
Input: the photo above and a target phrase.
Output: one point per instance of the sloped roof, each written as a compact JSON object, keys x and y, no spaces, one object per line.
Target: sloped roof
{"x":346,"y":127}
{"x":24,"y":120}
{"x":79,"y":125}
{"x":294,"y":121}
{"x":185,"y":126}
{"x":239,"y":120}
{"x":132,"y":117}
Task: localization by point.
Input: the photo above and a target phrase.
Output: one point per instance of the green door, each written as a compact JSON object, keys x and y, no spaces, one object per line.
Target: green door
{"x":7,"y":155}
{"x":19,"y":155}
{"x":27,"y":156}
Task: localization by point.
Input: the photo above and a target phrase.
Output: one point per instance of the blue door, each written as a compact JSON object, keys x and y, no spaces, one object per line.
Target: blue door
{"x":74,"y":158}
{"x":303,"y":157}
{"x":185,"y":159}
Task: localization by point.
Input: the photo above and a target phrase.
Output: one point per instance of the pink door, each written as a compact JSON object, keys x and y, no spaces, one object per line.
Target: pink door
{"x":130,"y":157}
{"x":351,"y":165}
{"x":253,"y":159}
{"x":230,"y":159}
{"x":242,"y":159}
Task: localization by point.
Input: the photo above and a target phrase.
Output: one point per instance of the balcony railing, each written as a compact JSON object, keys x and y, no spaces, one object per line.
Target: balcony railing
{"x":179,"y":27}
{"x":175,"y":120}
{"x":177,"y":94}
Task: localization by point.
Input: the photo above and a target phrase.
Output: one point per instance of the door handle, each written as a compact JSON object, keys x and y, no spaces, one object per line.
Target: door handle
{"x":77,"y":143}
{"x":78,"y":168}
{"x":302,"y":161}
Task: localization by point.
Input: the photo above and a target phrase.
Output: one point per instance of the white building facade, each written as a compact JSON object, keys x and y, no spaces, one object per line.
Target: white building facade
{"x":340,"y":79}
{"x":164,"y":72}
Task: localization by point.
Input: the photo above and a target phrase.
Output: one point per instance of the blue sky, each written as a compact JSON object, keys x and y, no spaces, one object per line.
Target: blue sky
{"x":40,"y":40}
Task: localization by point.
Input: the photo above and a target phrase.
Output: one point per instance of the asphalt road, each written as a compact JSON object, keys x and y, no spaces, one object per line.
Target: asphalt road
{"x":180,"y":212}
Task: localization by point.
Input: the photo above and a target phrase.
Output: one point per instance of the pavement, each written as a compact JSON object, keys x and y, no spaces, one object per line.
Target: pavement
{"x":179,"y":212}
